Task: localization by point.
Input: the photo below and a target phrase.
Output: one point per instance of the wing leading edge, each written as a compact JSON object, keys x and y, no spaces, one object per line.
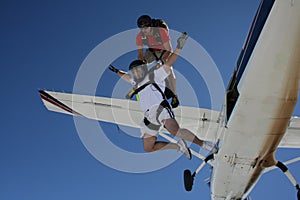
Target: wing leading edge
{"x":203,"y":122}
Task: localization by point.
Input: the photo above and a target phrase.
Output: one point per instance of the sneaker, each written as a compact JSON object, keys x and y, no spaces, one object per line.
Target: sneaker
{"x":210,"y":146}
{"x":183,"y":148}
{"x":175,"y":101}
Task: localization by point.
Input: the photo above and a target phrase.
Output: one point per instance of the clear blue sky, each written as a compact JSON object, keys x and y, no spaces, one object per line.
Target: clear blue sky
{"x":42,"y":46}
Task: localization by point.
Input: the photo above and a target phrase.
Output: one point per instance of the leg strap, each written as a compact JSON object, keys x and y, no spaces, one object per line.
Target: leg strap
{"x":151,"y":125}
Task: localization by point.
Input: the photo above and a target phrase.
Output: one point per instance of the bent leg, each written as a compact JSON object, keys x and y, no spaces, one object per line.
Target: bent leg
{"x":150,"y":144}
{"x":173,"y":127}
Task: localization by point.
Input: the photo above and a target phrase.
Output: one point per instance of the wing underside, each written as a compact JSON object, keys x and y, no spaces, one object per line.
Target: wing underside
{"x":291,"y":139}
{"x":203,"y":122}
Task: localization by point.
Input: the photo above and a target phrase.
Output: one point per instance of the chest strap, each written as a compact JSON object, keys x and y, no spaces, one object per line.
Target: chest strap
{"x":137,"y":90}
{"x":156,"y":57}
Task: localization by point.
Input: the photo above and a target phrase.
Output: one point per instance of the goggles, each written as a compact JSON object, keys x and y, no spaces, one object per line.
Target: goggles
{"x":144,"y":25}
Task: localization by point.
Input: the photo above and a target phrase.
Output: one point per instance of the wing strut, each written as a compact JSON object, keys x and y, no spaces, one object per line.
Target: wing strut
{"x":189,"y":177}
{"x":285,"y":163}
{"x":286,"y":171}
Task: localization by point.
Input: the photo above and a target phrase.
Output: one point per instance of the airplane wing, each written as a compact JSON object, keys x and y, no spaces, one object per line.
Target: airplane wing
{"x":291,"y":139}
{"x":203,"y":122}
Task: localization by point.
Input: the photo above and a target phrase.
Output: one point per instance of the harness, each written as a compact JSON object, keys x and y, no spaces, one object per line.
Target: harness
{"x":156,"y":57}
{"x":162,"y":105}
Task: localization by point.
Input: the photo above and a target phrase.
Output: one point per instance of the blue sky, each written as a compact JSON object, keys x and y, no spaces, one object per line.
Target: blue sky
{"x":43,"y":44}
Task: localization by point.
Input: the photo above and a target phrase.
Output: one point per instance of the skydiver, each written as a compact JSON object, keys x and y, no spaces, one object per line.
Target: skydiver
{"x":155,"y":35}
{"x":156,"y":108}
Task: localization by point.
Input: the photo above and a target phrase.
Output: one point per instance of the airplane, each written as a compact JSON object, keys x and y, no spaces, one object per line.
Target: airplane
{"x":255,"y":119}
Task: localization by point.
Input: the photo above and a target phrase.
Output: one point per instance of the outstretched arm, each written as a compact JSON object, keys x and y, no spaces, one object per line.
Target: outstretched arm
{"x":124,"y":75}
{"x":173,"y":57}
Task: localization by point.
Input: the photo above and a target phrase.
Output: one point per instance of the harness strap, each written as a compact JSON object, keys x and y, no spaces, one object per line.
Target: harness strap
{"x":151,"y":125}
{"x":161,"y":92}
{"x":137,"y":90}
{"x":156,"y":57}
{"x":164,"y":104}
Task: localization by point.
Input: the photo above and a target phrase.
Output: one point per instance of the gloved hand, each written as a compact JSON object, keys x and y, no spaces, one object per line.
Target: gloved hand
{"x":181,"y":40}
{"x":113,"y":69}
{"x":175,"y":102}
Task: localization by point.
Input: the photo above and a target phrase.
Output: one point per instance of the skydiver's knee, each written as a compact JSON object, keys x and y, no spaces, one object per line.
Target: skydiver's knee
{"x":148,"y":148}
{"x":172,"y":126}
{"x":149,"y":142}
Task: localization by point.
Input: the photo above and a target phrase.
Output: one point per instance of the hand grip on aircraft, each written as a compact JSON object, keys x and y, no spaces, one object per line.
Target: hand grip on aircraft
{"x":181,"y":40}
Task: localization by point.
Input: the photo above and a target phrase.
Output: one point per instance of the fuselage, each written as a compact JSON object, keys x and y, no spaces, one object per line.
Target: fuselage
{"x":267,"y":83}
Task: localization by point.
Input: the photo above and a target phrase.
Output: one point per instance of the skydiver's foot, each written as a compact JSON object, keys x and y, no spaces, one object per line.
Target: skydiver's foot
{"x":210,"y":146}
{"x":183,"y":148}
{"x":175,"y":101}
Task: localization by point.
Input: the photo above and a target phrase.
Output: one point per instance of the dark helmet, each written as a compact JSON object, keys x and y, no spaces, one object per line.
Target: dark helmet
{"x":144,"y":21}
{"x":138,"y":66}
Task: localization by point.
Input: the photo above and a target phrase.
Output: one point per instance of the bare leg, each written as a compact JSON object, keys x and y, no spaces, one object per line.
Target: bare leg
{"x":173,"y":127}
{"x":150,"y":144}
